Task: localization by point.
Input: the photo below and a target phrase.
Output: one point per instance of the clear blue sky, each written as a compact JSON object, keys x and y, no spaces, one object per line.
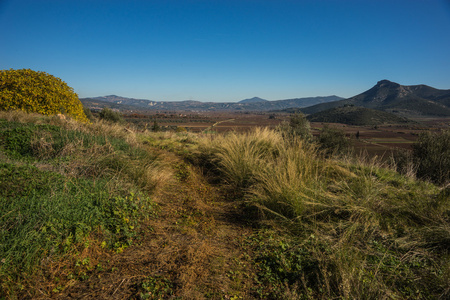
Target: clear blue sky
{"x":228,"y":50}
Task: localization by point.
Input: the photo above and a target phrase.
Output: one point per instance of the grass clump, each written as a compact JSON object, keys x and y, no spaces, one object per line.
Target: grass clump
{"x":240,"y":156}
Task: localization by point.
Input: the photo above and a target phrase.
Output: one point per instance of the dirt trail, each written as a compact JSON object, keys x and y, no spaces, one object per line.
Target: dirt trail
{"x":186,"y":251}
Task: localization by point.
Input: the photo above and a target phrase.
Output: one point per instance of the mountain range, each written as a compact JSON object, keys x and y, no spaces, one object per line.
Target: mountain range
{"x":414,"y":100}
{"x":252,"y":104}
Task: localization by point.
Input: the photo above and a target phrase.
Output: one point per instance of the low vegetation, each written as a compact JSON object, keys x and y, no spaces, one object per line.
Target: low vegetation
{"x":265,"y":214}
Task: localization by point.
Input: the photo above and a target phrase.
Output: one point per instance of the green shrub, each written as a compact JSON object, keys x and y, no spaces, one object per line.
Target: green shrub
{"x":432,"y":156}
{"x":298,"y":126}
{"x":88,"y":114}
{"x":333,"y":141}
{"x":39,"y":92}
{"x":108,"y":114}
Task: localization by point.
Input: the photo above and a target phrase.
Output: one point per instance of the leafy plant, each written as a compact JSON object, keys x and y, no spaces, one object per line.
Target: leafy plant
{"x":34,"y":91}
{"x":155,"y":287}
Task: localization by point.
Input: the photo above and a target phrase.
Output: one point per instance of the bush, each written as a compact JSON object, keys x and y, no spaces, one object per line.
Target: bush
{"x":39,"y":92}
{"x":432,"y":156}
{"x":88,"y":114}
{"x":333,"y":141}
{"x":298,"y":126}
{"x":108,"y":114}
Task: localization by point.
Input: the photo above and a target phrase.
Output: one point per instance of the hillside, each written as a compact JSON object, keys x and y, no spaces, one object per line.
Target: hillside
{"x":253,"y":104}
{"x":354,"y":115}
{"x":416,"y":100}
{"x":103,"y":211}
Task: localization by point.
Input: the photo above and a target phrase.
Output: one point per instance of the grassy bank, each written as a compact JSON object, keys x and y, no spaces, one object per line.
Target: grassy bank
{"x":65,"y":187}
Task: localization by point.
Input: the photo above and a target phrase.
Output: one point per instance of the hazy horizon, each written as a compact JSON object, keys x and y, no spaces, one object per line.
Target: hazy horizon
{"x":227,"y":51}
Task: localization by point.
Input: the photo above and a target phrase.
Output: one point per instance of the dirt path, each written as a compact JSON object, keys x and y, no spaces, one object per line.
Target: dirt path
{"x":186,"y":251}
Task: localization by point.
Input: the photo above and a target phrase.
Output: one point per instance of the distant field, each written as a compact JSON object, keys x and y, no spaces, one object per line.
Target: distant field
{"x":378,"y":141}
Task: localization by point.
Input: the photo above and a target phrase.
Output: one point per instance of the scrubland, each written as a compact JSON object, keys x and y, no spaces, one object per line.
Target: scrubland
{"x":108,"y":212}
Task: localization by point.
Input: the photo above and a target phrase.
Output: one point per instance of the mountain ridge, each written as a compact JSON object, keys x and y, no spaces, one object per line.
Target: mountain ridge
{"x":400,"y":99}
{"x":251,"y":104}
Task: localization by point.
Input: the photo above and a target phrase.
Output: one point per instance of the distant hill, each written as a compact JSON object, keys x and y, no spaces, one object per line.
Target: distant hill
{"x":252,"y":104}
{"x":356,"y":115}
{"x":392,"y":97}
{"x":253,"y":100}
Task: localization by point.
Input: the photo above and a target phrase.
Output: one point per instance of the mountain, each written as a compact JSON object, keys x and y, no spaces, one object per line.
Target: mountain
{"x":356,"y":115}
{"x":252,"y":100}
{"x":389,"y":96}
{"x":252,"y":104}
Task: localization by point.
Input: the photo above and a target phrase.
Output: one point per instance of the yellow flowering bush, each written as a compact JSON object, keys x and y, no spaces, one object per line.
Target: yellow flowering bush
{"x":40,"y":92}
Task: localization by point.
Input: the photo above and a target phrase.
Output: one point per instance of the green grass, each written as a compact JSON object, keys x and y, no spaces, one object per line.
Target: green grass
{"x":59,"y":186}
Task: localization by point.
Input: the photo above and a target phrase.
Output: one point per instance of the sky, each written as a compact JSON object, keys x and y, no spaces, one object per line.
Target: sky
{"x":228,"y":50}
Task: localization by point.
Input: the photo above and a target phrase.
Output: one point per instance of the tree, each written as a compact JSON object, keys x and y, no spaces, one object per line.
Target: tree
{"x":39,"y":92}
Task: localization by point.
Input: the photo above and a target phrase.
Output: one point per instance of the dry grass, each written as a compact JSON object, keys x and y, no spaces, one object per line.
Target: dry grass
{"x":367,"y":218}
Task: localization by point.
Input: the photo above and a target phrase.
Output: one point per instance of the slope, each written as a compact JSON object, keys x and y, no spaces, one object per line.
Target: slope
{"x":354,"y":115}
{"x":393,"y":97}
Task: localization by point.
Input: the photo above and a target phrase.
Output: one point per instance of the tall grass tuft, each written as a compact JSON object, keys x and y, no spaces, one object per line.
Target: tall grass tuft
{"x":240,"y":156}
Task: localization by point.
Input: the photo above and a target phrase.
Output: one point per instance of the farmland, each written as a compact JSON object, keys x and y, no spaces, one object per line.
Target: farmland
{"x":380,"y":140}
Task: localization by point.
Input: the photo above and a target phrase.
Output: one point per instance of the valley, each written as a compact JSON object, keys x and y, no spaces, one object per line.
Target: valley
{"x":374,"y":140}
